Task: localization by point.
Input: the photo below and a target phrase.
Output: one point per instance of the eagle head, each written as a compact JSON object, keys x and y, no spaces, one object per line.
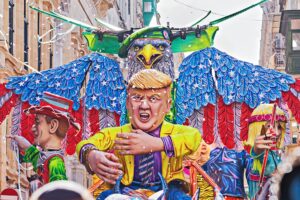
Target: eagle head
{"x":154,"y":53}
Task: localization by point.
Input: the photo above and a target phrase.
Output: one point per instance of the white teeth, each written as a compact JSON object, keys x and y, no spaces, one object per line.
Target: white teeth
{"x":144,"y":115}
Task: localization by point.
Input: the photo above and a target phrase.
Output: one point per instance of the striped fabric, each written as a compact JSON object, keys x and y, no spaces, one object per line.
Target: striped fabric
{"x":146,"y":168}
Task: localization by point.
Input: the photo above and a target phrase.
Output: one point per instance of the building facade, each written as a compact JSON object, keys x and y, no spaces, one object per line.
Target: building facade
{"x":278,"y":43}
{"x":272,"y":43}
{"x":280,"y":40}
{"x":30,"y":41}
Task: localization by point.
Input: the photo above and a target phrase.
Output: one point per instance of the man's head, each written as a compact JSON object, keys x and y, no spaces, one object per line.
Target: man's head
{"x":52,"y":119}
{"x":46,"y":128}
{"x":148,"y":99}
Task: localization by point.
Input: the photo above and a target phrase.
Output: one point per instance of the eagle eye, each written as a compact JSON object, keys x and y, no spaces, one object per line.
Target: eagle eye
{"x":161,"y":47}
{"x":136,"y":48}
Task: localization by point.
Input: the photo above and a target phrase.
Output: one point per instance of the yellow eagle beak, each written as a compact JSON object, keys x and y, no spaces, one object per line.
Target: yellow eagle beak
{"x":148,"y":55}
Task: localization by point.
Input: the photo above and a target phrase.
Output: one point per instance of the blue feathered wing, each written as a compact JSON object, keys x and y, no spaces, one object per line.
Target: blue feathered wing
{"x":237,"y":81}
{"x":103,"y":90}
{"x":212,"y":77}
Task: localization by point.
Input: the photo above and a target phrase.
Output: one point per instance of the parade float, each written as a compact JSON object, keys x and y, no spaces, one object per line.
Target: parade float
{"x":214,"y":92}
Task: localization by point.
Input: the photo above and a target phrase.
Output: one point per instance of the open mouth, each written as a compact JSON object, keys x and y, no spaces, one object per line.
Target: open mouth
{"x":144,"y":117}
{"x":154,"y":58}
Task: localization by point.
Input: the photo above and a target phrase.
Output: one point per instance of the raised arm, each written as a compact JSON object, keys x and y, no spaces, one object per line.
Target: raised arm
{"x":92,"y":154}
{"x":186,"y":141}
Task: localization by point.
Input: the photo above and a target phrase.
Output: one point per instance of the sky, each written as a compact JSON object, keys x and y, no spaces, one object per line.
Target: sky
{"x":238,"y":36}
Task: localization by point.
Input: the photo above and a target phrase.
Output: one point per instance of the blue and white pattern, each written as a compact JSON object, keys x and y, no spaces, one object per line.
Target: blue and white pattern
{"x":124,"y":117}
{"x":208,"y":71}
{"x":104,"y":87}
{"x":16,"y":118}
{"x":5,"y":98}
{"x":195,"y":86}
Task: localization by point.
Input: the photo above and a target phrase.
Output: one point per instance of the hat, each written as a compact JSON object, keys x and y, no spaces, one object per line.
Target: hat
{"x":182,"y":40}
{"x":264,"y":113}
{"x":157,"y":32}
{"x":55,"y":106}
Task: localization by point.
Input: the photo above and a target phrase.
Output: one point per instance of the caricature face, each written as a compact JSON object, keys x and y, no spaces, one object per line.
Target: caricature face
{"x":277,"y":127}
{"x":40,"y":130}
{"x":147,"y":108}
{"x":278,"y":130}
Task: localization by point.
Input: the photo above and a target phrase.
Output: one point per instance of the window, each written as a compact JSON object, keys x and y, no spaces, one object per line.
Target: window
{"x":11,"y":25}
{"x":296,"y":41}
{"x":147,"y":7}
{"x":295,"y":24}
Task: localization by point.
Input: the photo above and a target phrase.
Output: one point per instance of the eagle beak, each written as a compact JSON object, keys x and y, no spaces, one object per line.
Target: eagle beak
{"x":149,"y":55}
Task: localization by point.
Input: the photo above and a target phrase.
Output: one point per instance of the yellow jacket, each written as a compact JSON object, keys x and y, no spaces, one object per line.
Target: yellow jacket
{"x":185,"y":141}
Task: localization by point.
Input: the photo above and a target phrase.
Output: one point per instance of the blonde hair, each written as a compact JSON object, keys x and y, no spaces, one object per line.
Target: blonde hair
{"x":255,"y":127}
{"x":199,"y":156}
{"x":149,"y":79}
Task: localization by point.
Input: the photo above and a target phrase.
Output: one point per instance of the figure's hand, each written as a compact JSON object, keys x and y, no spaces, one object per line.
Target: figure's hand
{"x":105,"y":165}
{"x":263,"y":142}
{"x":137,"y":142}
{"x":22,"y":143}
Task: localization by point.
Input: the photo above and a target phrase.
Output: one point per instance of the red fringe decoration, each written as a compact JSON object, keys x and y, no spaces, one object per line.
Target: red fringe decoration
{"x":3,"y":89}
{"x":296,"y":85}
{"x":7,"y":106}
{"x":27,"y":122}
{"x":74,"y":136}
{"x":94,"y":121}
{"x":187,"y":122}
{"x":245,"y":114}
{"x":208,"y":123}
{"x":247,"y":148}
{"x":117,"y":118}
{"x":293,"y":103}
{"x":225,"y":123}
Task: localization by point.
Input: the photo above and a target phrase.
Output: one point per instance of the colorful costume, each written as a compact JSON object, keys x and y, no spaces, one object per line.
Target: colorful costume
{"x":272,"y":163}
{"x":48,"y":164}
{"x":259,"y":117}
{"x":52,"y":121}
{"x":226,"y":167}
{"x":185,"y":140}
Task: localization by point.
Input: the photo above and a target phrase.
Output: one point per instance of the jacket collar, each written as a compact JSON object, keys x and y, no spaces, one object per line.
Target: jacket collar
{"x":166,"y":128}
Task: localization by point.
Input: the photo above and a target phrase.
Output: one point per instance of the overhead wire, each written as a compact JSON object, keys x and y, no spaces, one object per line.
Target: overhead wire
{"x":223,"y":15}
